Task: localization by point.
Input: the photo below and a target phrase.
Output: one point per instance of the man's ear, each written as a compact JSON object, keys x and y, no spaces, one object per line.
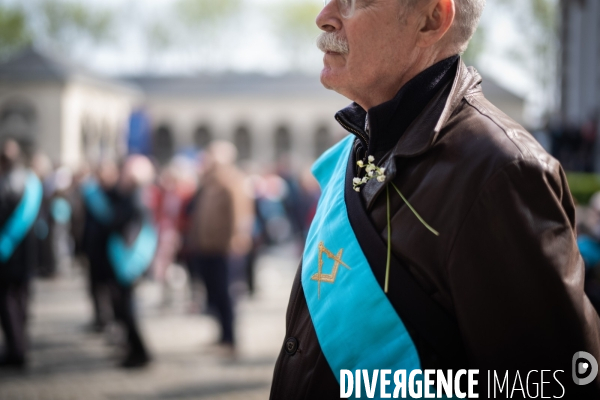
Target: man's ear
{"x":437,"y":18}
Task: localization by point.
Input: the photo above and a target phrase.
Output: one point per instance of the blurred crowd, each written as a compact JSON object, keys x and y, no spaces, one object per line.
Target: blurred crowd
{"x":588,"y":240}
{"x":196,"y":224}
{"x":571,"y":144}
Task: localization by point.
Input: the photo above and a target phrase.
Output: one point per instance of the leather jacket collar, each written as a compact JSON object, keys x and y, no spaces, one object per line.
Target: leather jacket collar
{"x":422,"y":133}
{"x":388,"y":121}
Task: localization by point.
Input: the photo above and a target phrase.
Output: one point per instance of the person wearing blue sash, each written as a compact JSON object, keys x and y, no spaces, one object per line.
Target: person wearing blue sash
{"x":444,"y":235}
{"x":94,"y":239}
{"x":126,"y":245}
{"x":20,"y":200}
{"x":131,"y":247}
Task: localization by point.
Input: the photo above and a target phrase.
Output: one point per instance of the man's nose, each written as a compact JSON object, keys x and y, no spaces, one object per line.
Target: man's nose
{"x":329,"y":18}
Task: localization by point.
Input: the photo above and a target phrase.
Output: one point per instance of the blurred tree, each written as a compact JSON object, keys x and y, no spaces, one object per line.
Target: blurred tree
{"x":203,"y":25}
{"x":159,"y":38}
{"x":52,"y":24}
{"x":68,"y":21}
{"x":294,"y":23}
{"x":199,"y":13}
{"x":14,"y":33}
{"x":537,"y":51}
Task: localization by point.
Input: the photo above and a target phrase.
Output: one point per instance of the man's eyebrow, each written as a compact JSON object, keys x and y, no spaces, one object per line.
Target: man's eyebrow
{"x":363,"y":3}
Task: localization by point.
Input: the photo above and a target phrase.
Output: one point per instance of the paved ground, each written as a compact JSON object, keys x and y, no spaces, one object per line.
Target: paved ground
{"x":66,"y":363}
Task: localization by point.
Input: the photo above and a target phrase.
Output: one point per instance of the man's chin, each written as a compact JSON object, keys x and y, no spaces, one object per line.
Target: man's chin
{"x":327,"y":78}
{"x":325,"y":84}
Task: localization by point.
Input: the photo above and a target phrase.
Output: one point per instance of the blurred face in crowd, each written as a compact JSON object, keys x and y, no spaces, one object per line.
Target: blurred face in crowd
{"x":221,"y":153}
{"x":137,"y":171}
{"x":108,"y":174}
{"x":381,"y":46}
{"x":11,"y":152}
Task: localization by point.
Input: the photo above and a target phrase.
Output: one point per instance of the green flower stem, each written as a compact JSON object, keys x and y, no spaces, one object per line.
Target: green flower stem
{"x":389,"y":241}
{"x":436,"y":233}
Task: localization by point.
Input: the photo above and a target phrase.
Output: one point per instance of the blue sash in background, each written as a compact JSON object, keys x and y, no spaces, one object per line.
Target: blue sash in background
{"x":356,"y":325}
{"x":21,"y":220}
{"x":128,"y":262}
{"x":61,"y":210}
{"x":97,"y":201}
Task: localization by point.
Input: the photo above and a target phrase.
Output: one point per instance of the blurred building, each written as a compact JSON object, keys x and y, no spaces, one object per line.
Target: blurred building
{"x":74,"y":115}
{"x":63,"y":109}
{"x":580,"y":80}
{"x":266,"y":117}
{"x":580,"y":60}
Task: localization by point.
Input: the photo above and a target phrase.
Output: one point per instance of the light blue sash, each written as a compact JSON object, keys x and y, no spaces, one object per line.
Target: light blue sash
{"x":130,"y":262}
{"x":61,"y":210}
{"x":22,"y":218}
{"x":356,"y":325}
{"x":97,"y":202}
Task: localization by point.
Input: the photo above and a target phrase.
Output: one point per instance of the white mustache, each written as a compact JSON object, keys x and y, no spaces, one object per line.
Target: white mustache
{"x":332,"y":41}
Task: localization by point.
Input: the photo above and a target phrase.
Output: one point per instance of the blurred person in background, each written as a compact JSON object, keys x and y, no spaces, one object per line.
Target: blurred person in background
{"x":20,"y":199}
{"x":78,"y":215}
{"x":589,"y":132}
{"x":309,"y":198}
{"x":43,"y":232}
{"x":197,"y":303}
{"x":254,"y":183}
{"x":61,"y":213}
{"x":165,"y":206}
{"x":219,"y":228}
{"x":94,"y":238}
{"x":241,"y":256}
{"x":174,"y":189}
{"x":588,"y":241}
{"x":292,"y":200}
{"x":131,"y":247}
{"x":272,"y":192}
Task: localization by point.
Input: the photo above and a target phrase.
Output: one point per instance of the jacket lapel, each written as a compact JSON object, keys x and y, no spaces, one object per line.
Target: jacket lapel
{"x":424,"y":131}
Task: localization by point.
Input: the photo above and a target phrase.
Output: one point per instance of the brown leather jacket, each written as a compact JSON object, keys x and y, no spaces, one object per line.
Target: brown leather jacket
{"x":505,"y":266}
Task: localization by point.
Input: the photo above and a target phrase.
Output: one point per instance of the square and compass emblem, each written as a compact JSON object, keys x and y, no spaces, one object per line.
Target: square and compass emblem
{"x":337,"y":258}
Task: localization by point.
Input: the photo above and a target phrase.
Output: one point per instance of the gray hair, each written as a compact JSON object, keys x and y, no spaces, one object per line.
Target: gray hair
{"x":466,"y":20}
{"x":468,"y":13}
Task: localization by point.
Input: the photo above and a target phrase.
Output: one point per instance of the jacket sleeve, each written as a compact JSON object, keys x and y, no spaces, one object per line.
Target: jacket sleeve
{"x":516,"y":274}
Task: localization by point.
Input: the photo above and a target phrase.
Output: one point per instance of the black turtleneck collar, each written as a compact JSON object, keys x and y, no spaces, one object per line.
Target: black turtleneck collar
{"x":388,"y":121}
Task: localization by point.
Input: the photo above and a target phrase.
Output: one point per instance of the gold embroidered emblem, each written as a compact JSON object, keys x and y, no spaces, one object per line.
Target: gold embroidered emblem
{"x":328,"y":278}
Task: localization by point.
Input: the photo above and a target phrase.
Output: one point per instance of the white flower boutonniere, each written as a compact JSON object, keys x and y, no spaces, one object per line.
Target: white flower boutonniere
{"x":371,"y":171}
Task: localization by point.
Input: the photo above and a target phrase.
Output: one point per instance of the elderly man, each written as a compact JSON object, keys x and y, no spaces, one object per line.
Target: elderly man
{"x":444,"y":238}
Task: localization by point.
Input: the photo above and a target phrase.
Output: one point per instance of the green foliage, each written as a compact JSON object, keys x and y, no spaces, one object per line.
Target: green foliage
{"x":202,"y":12}
{"x":583,"y":186}
{"x":294,"y":24}
{"x":537,"y":22}
{"x":296,"y":20}
{"x":158,"y":36}
{"x":14,"y":33}
{"x":57,"y":24}
{"x":545,"y":12}
{"x":70,"y":21}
